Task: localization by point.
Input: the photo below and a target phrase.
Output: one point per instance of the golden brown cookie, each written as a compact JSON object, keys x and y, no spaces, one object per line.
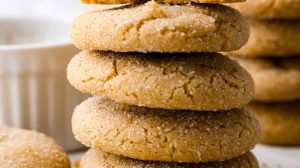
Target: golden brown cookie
{"x":268,"y":9}
{"x":161,"y":1}
{"x":154,"y":27}
{"x":29,"y":149}
{"x":196,"y":81}
{"x":97,"y":159}
{"x":280,"y":122}
{"x":272,"y":38}
{"x":164,"y":135}
{"x":276,"y":79}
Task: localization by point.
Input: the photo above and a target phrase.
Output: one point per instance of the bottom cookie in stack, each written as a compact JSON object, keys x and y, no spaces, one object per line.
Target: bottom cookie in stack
{"x":98,"y":159}
{"x":164,"y":135}
{"x":280,"y":122}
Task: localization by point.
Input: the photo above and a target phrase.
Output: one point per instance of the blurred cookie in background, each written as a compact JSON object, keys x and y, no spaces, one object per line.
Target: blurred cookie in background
{"x":268,"y":9}
{"x":276,"y":79}
{"x":29,"y":149}
{"x":280,"y":122}
{"x":271,"y":38}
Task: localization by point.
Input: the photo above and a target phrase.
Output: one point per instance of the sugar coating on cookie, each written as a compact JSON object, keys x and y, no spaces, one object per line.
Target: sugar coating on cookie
{"x":272,"y":38}
{"x":97,"y":159}
{"x":164,"y":135}
{"x":195,"y":81}
{"x":161,"y":1}
{"x":270,"y":9}
{"x":22,"y":148}
{"x":280,"y":122}
{"x":276,"y":79}
{"x":154,"y":27}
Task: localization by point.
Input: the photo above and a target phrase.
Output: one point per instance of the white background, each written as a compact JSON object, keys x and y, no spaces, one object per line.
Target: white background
{"x":47,"y":8}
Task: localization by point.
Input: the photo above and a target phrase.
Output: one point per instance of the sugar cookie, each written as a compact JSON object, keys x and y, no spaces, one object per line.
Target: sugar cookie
{"x":280,"y":122}
{"x":154,"y":27}
{"x":97,"y":159}
{"x":29,"y":149}
{"x":272,"y":38}
{"x":195,"y":81}
{"x":164,"y":135}
{"x":270,"y":9}
{"x":276,"y":79}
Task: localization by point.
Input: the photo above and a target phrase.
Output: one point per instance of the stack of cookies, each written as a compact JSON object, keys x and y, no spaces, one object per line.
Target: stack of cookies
{"x":168,"y":99}
{"x":272,"y":56}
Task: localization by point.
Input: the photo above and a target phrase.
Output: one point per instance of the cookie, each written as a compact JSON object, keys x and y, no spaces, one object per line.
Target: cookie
{"x":97,"y":159}
{"x":272,"y":38}
{"x":196,"y":81}
{"x":29,"y":149}
{"x":276,"y":79}
{"x":154,"y":27}
{"x":161,"y":1}
{"x":164,"y":135}
{"x":96,"y":7}
{"x":270,"y":9}
{"x":280,"y":122}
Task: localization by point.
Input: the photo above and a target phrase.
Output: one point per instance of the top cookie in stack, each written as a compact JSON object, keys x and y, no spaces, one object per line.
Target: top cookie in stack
{"x":272,"y":58}
{"x":164,"y":97}
{"x":154,"y":27}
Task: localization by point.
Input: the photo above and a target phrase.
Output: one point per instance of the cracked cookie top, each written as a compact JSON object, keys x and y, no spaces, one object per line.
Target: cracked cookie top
{"x":97,"y":159}
{"x":276,"y":79}
{"x":154,"y":27}
{"x":23,"y":148}
{"x":193,"y":81}
{"x":161,"y":1}
{"x":164,"y":135}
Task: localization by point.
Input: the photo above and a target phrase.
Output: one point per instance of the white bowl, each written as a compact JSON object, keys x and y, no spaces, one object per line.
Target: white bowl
{"x":34,"y":91}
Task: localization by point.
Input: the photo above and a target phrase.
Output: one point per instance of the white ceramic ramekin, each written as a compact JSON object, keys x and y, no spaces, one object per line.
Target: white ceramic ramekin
{"x":34,"y":91}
